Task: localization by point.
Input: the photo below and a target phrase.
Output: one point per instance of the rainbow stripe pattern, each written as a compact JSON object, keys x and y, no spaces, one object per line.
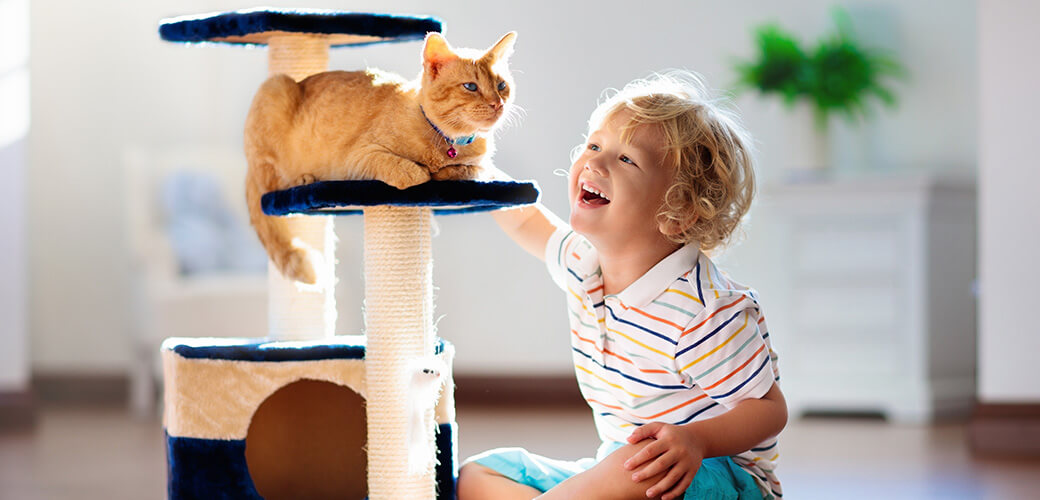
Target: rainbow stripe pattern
{"x":683,"y":342}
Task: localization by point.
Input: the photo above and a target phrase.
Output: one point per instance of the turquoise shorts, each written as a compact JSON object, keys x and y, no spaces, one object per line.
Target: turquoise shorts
{"x":719,"y":478}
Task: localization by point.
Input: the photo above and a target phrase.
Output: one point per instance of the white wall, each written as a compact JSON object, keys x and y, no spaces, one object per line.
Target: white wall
{"x":14,"y":332}
{"x":14,"y":125}
{"x":95,"y":90}
{"x":1009,"y":200}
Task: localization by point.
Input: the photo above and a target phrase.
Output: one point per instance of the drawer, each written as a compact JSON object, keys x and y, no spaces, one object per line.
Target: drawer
{"x":848,"y":329}
{"x":847,"y":245}
{"x":865,"y":359}
{"x":848,"y":307}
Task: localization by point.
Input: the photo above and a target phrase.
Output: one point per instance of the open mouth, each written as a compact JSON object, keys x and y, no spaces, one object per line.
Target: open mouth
{"x":592,"y":196}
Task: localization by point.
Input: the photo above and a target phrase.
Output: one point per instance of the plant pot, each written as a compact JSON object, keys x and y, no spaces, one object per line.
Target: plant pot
{"x":809,"y":147}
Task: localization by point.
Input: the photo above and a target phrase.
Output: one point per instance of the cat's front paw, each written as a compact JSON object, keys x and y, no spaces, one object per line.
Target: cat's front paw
{"x":408,"y":176}
{"x":457,"y":173}
{"x":305,"y":179}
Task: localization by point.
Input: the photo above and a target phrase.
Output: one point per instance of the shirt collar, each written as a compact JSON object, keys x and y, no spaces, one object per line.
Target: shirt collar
{"x":660,"y":277}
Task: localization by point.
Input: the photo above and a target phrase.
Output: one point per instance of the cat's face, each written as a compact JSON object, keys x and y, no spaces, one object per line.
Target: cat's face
{"x":465,"y":90}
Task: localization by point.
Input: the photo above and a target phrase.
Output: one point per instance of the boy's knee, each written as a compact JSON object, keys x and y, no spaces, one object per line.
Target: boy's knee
{"x":473,"y":481}
{"x":615,"y":478}
{"x":471,"y":471}
{"x":472,"y":468}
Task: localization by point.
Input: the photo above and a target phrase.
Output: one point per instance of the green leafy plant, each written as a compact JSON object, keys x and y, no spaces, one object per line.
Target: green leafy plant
{"x":838,"y":75}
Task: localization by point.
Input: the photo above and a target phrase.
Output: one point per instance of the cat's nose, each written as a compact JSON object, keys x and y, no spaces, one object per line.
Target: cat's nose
{"x":495,"y":105}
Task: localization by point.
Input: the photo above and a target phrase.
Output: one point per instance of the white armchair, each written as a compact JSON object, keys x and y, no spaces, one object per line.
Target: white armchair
{"x":168,"y":302}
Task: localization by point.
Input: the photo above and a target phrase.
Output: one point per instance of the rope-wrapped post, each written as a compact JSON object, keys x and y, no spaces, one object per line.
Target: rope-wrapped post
{"x":297,"y":312}
{"x":399,"y":327}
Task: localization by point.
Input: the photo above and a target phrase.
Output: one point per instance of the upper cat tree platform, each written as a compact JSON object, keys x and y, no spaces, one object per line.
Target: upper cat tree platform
{"x":444,"y":197}
{"x":258,"y":26}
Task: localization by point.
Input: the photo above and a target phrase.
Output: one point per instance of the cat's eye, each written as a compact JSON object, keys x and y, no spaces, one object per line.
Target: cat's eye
{"x":501,"y":86}
{"x":594,"y":147}
{"x":470,"y":86}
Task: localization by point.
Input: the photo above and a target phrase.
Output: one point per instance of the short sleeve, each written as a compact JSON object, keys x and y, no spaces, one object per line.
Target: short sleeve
{"x":569,"y":256}
{"x":724,"y":353}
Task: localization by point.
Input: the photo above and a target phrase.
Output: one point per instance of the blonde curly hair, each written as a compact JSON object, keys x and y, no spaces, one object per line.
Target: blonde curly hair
{"x":707,"y":146}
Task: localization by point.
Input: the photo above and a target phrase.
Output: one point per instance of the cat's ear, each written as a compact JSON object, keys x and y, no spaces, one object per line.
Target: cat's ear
{"x":502,"y":49}
{"x":436,"y":53}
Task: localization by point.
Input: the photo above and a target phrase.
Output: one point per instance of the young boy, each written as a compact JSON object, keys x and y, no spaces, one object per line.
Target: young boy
{"x":673,"y":357}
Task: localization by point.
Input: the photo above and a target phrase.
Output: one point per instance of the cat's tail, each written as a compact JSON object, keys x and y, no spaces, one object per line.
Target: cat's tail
{"x":269,"y":118}
{"x":293,"y":258}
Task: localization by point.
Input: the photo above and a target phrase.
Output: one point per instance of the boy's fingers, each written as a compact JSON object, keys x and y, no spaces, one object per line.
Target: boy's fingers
{"x":651,"y":470}
{"x":659,"y":465}
{"x":637,"y":459}
{"x":665,"y":483}
{"x":643,"y":432}
{"x":680,"y":488}
{"x":649,"y":451}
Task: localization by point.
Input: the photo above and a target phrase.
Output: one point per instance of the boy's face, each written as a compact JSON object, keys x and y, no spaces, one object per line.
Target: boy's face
{"x":617,"y":188}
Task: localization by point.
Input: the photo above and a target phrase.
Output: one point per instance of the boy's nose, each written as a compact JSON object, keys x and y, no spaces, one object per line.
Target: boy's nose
{"x":594,"y":168}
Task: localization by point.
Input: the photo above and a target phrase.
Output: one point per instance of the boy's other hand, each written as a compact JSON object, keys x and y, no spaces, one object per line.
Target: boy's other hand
{"x":675,"y":449}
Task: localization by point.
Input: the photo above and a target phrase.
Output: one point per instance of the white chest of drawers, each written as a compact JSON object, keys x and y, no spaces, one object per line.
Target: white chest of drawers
{"x":872,"y":299}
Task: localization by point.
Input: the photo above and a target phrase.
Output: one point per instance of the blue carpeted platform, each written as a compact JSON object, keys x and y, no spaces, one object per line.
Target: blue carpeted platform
{"x":261,"y":350}
{"x":231,"y":27}
{"x":445,"y":197}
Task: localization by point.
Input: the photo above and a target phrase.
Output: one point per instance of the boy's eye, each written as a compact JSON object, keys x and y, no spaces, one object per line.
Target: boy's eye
{"x":501,"y":86}
{"x":627,"y":160}
{"x":470,"y":86}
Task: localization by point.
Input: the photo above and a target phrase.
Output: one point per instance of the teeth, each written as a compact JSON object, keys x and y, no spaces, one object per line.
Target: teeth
{"x":585,"y":187}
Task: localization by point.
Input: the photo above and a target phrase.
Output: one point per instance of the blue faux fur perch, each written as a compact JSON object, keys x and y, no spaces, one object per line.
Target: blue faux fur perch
{"x":445,"y":197}
{"x":214,"y":27}
{"x":209,"y":469}
{"x":265,"y":350}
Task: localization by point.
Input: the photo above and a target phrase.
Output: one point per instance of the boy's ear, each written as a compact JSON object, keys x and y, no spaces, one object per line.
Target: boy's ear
{"x":436,"y":52}
{"x":501,"y":49}
{"x":669,"y":227}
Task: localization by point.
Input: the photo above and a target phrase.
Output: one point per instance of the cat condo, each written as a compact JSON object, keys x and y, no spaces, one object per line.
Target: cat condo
{"x":302,"y":412}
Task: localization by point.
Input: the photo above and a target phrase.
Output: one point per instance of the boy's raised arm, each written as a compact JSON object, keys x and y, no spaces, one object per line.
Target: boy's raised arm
{"x":529,"y":226}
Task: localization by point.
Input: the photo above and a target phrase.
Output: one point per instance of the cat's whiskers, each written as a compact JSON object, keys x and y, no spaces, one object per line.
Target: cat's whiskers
{"x":513,"y":115}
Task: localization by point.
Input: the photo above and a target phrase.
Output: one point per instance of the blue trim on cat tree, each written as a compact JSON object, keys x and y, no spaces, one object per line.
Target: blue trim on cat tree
{"x":210,"y":27}
{"x":204,"y":469}
{"x":446,"y":197}
{"x":216,"y":469}
{"x":260,"y":350}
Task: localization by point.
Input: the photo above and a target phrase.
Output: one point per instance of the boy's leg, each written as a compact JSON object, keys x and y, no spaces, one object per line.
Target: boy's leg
{"x":607,"y":480}
{"x":477,"y":482}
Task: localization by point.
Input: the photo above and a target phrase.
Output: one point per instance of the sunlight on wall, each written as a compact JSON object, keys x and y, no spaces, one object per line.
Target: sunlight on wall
{"x":14,"y":70}
{"x":14,"y":128}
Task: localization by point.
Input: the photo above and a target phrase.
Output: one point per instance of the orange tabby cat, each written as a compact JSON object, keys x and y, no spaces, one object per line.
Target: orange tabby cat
{"x":370,"y":124}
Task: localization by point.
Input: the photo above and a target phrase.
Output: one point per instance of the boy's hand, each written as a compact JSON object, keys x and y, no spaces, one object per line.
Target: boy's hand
{"x":675,"y":449}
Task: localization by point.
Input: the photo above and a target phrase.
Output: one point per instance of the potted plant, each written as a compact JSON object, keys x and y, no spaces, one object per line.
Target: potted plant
{"x":838,"y":76}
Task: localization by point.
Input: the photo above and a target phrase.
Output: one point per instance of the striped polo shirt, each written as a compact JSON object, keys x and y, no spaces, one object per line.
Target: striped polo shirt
{"x":682,"y":343}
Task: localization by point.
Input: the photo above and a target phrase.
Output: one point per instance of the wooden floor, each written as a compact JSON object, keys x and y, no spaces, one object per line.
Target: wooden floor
{"x":78,"y":453}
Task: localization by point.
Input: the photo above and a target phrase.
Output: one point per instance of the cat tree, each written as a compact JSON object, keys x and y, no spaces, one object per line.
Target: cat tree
{"x":228,"y":400}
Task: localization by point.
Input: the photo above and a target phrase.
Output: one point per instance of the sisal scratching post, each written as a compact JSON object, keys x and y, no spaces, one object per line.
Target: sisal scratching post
{"x":297,"y":312}
{"x":298,"y":56}
{"x":399,"y":323}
